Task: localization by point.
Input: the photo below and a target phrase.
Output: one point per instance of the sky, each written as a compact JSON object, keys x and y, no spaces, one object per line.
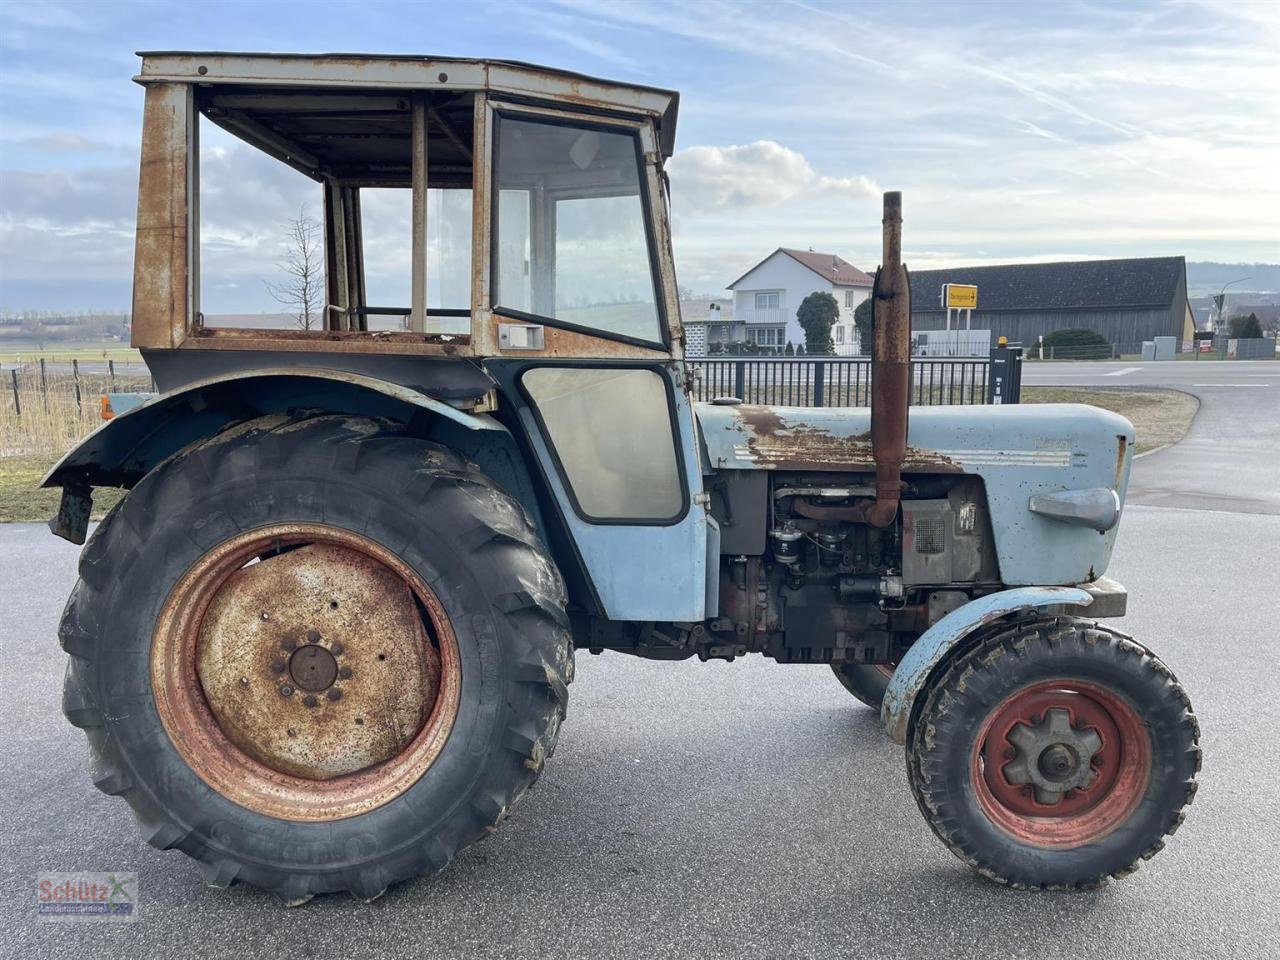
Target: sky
{"x":1016,"y":131}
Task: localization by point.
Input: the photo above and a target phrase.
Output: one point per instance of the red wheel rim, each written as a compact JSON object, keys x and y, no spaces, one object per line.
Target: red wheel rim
{"x":1109,"y":764}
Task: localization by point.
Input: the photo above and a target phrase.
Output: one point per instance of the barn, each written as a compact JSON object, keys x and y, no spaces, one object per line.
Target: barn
{"x":1127,"y":301}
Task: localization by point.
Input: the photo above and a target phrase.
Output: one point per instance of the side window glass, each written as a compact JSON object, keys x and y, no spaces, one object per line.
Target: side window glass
{"x":572,"y":244}
{"x":612,"y":434}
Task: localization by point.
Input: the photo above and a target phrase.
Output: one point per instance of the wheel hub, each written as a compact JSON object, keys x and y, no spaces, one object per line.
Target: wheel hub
{"x":1060,"y":762}
{"x":359,"y":673}
{"x":305,"y":671}
{"x":1052,"y":756}
{"x":313,"y":668}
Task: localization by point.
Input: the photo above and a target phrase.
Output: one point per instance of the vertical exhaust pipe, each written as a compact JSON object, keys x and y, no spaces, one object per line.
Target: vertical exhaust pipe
{"x":890,"y":368}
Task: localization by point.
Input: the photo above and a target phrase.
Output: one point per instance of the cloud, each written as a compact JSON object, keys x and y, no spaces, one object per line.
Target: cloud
{"x":764,"y":173}
{"x":61,"y":142}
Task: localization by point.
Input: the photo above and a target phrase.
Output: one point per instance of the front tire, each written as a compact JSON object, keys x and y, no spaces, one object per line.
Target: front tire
{"x":394,"y":698}
{"x":1054,"y":754}
{"x":866,"y":681}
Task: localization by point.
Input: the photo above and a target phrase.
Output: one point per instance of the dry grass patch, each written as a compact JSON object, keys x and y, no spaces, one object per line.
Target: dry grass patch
{"x":21,"y":498}
{"x":1159,"y":417}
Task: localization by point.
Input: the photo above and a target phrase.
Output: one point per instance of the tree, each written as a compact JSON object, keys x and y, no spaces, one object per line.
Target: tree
{"x":818,"y":313}
{"x":862,"y":319}
{"x":800,"y":350}
{"x":789,"y":350}
{"x":1246,"y":328}
{"x":302,"y":289}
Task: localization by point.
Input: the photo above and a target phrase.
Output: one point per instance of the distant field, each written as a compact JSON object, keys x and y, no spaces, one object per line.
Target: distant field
{"x":17,"y":351}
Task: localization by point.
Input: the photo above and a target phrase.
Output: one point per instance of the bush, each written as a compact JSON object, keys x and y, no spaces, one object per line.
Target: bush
{"x":790,"y":350}
{"x":818,"y":313}
{"x":1246,"y":328}
{"x":1074,"y":344}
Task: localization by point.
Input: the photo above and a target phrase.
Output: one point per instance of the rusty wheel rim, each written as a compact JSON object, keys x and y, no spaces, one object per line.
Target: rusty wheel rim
{"x":305,"y":672}
{"x":1061,"y":763}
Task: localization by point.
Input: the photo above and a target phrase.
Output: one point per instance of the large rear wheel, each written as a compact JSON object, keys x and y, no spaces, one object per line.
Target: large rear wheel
{"x":1054,"y":754}
{"x":317,"y":655}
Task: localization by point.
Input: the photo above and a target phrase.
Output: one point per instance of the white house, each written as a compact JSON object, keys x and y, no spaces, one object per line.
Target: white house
{"x":766,"y":297}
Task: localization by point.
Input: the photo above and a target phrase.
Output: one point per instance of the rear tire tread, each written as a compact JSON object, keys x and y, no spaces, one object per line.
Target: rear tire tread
{"x":543,"y":654}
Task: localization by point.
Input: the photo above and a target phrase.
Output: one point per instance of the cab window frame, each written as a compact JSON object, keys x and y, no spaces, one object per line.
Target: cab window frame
{"x":562,"y":473}
{"x":572,"y":121}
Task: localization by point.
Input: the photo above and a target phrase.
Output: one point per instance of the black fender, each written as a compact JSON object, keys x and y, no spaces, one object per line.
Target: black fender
{"x":123,"y":450}
{"x":126,"y":448}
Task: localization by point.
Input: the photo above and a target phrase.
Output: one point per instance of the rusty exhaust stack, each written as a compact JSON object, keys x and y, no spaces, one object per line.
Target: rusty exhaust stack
{"x":890,"y":368}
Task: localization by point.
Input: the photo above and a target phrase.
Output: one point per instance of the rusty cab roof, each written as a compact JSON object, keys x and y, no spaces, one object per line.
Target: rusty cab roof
{"x":509,"y":79}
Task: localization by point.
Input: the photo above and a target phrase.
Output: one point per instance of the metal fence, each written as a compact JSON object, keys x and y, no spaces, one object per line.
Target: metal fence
{"x":836,"y":381}
{"x":1218,"y":349}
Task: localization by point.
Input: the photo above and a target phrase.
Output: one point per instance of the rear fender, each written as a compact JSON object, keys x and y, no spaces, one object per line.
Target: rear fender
{"x":126,"y":448}
{"x":912,"y":674}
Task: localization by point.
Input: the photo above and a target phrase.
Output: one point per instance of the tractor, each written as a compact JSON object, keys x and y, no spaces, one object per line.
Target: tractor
{"x":326,"y":640}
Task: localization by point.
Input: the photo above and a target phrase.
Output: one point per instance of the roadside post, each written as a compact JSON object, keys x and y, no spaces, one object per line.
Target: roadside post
{"x":1004,"y":384}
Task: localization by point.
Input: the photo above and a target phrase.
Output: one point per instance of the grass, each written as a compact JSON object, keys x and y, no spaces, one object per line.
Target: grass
{"x":21,"y":498}
{"x":1159,"y":417}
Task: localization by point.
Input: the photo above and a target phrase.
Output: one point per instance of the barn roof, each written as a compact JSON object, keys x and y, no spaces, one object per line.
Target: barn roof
{"x":1070,"y":285}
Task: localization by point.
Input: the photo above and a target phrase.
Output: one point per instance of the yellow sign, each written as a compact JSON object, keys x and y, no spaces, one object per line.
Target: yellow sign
{"x":961,"y":296}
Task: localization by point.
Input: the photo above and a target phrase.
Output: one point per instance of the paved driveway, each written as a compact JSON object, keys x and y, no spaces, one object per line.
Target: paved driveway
{"x":719,"y":810}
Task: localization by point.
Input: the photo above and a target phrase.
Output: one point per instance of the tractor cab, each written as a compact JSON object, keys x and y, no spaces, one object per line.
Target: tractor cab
{"x":424,"y":206}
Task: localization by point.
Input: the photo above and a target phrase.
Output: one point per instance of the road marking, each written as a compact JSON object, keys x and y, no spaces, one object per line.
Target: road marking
{"x":1231,"y":384}
{"x":1121,"y":373}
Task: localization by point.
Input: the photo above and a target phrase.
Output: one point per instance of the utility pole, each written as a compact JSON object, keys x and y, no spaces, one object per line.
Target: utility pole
{"x":1220,"y":304}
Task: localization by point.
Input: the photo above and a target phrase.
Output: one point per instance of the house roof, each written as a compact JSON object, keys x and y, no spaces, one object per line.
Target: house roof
{"x":1071,"y":285}
{"x":826,"y":265}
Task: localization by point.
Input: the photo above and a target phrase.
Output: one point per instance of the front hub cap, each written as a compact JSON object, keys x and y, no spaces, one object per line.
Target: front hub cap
{"x":1061,"y":763}
{"x":305,"y":672}
{"x":1052,"y":756}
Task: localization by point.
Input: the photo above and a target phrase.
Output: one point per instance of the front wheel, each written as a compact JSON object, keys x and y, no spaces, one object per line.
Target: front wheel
{"x":866,"y":681}
{"x":1054,"y":754}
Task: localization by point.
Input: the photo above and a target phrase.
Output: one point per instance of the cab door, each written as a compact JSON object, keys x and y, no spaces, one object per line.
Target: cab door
{"x":583,"y":317}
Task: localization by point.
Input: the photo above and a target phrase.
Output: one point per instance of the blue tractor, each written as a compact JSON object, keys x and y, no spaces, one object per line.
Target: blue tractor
{"x":326,"y":640}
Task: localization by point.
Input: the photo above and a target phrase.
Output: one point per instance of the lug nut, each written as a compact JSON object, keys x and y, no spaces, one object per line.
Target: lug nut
{"x":334,"y":694}
{"x":277,"y":666}
{"x":313,"y":636}
{"x":309,"y":701}
{"x":286,"y":690}
{"x":337,"y":649}
{"x":288,"y":644}
{"x":345,"y":673}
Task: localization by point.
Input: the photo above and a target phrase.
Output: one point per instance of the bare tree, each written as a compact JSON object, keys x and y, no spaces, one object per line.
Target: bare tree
{"x":302,"y":289}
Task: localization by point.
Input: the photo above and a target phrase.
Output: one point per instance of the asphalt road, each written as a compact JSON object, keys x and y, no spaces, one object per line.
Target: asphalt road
{"x":1230,"y":459}
{"x":727,"y":810}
